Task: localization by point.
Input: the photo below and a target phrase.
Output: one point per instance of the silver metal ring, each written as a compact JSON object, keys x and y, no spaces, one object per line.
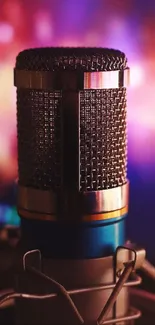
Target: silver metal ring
{"x":106,"y":200}
{"x":36,"y":200}
{"x":106,"y":79}
{"x":71,"y":80}
{"x":93,"y":202}
{"x":34,"y":79}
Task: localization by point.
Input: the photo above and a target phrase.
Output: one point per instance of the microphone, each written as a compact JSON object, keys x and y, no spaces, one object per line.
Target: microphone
{"x":72,"y":150}
{"x":73,"y":187}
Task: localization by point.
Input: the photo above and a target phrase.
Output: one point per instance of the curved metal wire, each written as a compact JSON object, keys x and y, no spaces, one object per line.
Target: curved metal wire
{"x":38,"y":297}
{"x":66,"y":294}
{"x":59,"y":286}
{"x":133,"y":312}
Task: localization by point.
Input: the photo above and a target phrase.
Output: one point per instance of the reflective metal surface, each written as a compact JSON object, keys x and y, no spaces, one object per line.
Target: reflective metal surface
{"x":36,"y":200}
{"x":106,"y":200}
{"x":112,"y":299}
{"x":106,"y":79}
{"x":71,"y":80}
{"x":130,"y":251}
{"x":48,"y":80}
{"x":96,"y":205}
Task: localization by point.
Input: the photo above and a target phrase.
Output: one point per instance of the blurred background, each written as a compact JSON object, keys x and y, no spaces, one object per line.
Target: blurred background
{"x":128,"y":25}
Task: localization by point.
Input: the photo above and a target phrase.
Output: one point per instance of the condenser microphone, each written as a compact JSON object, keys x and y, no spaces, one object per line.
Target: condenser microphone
{"x":72,"y":150}
{"x":73,"y":187}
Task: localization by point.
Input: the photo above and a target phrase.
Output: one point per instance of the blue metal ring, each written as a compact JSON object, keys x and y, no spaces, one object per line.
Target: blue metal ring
{"x":77,"y":240}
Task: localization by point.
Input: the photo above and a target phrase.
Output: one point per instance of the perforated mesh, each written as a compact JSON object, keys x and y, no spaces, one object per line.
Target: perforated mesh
{"x":102,"y":121}
{"x":39,"y":138}
{"x":86,"y":59}
{"x":102,"y":139}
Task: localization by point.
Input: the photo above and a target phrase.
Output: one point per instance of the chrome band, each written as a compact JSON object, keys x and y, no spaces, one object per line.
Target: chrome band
{"x":106,"y":200}
{"x":71,"y":80}
{"x":90,"y":203}
{"x":36,"y":80}
{"x":106,"y":79}
{"x":35,"y":200}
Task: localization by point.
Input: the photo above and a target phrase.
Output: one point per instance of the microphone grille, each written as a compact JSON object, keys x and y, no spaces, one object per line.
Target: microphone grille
{"x":39,"y":138}
{"x":102,"y":123}
{"x":103,"y":137}
{"x":85,"y":59}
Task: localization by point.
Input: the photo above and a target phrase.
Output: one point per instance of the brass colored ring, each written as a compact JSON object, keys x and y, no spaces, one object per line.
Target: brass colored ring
{"x":106,"y":216}
{"x":36,"y":216}
{"x":87,"y":218}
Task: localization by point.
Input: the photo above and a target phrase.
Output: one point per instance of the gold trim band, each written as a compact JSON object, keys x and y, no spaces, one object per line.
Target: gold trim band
{"x":86,"y":218}
{"x":35,"y":216}
{"x":106,"y":215}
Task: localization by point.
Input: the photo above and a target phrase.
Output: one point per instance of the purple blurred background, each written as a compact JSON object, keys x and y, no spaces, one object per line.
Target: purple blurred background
{"x":128,"y":25}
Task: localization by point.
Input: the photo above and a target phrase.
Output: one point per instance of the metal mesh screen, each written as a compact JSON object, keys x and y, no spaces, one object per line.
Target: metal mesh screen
{"x":102,"y":139}
{"x":39,"y":138}
{"x":102,"y":122}
{"x":85,"y":59}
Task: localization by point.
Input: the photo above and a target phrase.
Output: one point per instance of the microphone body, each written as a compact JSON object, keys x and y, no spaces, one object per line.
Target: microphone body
{"x":72,"y":157}
{"x":72,"y":187}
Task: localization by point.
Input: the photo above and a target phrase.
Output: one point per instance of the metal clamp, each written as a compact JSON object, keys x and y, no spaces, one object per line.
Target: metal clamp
{"x":32,"y":263}
{"x":135,"y":253}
